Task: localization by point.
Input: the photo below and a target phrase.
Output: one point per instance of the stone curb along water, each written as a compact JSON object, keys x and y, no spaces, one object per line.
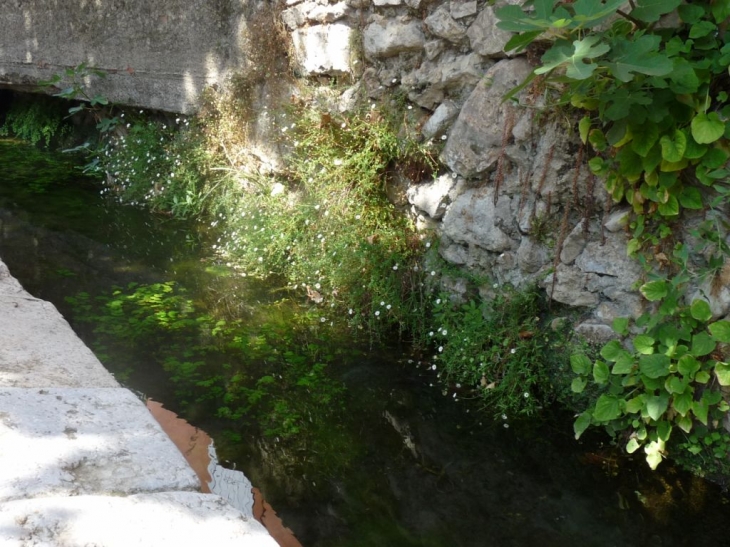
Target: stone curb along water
{"x":82,"y":460}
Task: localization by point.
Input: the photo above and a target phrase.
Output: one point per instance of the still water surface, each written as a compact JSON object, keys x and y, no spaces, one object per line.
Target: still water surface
{"x":398,"y":464}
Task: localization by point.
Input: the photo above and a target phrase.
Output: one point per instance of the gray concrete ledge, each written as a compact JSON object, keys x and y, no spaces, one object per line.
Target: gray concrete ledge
{"x":82,"y":460}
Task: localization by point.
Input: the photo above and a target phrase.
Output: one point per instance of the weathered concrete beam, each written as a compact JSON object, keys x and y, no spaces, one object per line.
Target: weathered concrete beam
{"x":157,"y":54}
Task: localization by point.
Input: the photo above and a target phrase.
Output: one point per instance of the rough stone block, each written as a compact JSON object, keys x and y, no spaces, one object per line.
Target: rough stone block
{"x":389,"y":38}
{"x":323,"y":49}
{"x":169,"y":518}
{"x":74,"y":441}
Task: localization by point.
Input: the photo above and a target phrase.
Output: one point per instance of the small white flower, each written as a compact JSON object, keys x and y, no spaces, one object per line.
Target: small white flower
{"x":357,"y":217}
{"x":350,"y":311}
{"x":343,"y":125}
{"x":504,"y":416}
{"x":526,"y":395}
{"x":513,"y":351}
{"x":433,"y":367}
{"x":433,"y":272}
{"x":441,"y":349}
{"x":410,"y":107}
{"x":438,"y":301}
{"x":322,"y":319}
{"x":388,"y":307}
{"x":495,"y":286}
{"x":506,"y":426}
{"x":317,"y":286}
{"x":382,"y":303}
{"x":428,"y":244}
{"x":394,"y":80}
{"x":444,"y":332}
{"x":430,"y":333}
{"x":395,"y":267}
{"x":377,"y":313}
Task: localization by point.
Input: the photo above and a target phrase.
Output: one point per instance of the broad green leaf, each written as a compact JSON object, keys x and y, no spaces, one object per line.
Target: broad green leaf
{"x":656,"y":406}
{"x":578,"y":384}
{"x":702,"y":377}
{"x":512,"y":18}
{"x":630,"y":162}
{"x":644,"y":344}
{"x":683,"y":78}
{"x":682,"y":402}
{"x":702,"y":344}
{"x":690,"y":13}
{"x":700,"y":409}
{"x":687,"y":366}
{"x":620,"y":325}
{"x":583,"y":127}
{"x":670,"y":208}
{"x":690,"y":198}
{"x":597,"y":165}
{"x":573,"y":58}
{"x":664,"y":430}
{"x":695,"y":150}
{"x":580,"y":363}
{"x":673,"y":166}
{"x":654,"y":366}
{"x":612,"y":350}
{"x":650,"y":11}
{"x":720,"y":11}
{"x":632,"y":446}
{"x":714,"y":158}
{"x":638,"y":56}
{"x":597,"y":140}
{"x":675,"y":384}
{"x":624,"y":364}
{"x":653,"y":452}
{"x":654,"y":290}
{"x":700,"y":310}
{"x":518,"y":42}
{"x":722,"y":371}
{"x":608,"y":407}
{"x":589,"y":13}
{"x":581,"y":424}
{"x":600,"y":372}
{"x":685,"y":423}
{"x":673,"y":147}
{"x":701,"y":29}
{"x":645,"y":136}
{"x":635,"y":404}
{"x":720,"y":331}
{"x":707,"y":128}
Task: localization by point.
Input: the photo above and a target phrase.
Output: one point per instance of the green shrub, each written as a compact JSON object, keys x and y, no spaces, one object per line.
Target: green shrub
{"x":36,"y":119}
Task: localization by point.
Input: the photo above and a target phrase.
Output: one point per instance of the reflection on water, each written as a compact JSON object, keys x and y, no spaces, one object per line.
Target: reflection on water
{"x":390,"y":461}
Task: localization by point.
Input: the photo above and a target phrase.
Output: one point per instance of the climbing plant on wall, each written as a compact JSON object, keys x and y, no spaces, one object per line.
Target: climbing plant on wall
{"x":648,"y":80}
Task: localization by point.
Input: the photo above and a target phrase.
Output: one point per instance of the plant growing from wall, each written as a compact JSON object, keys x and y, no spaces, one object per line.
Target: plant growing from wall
{"x":649,"y":79}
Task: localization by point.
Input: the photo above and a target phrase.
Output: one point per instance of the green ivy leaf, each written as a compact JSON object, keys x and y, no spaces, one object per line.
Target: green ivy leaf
{"x":600,"y":372}
{"x":656,"y":406}
{"x":700,"y":409}
{"x":589,"y":12}
{"x":702,"y":344}
{"x":685,"y":423}
{"x":654,"y":290}
{"x":612,"y":350}
{"x":690,"y":198}
{"x":653,"y":452}
{"x":702,"y":29}
{"x":673,"y":147}
{"x":690,"y":13}
{"x":682,"y":402}
{"x":688,"y":366}
{"x":624,"y":364}
{"x":675,"y":384}
{"x":700,"y":310}
{"x":581,"y":424}
{"x":720,"y":331}
{"x":664,"y":430}
{"x":632,"y":446}
{"x":639,"y":56}
{"x":580,"y":364}
{"x":650,"y":11}
{"x":702,"y":377}
{"x":707,"y":128}
{"x":608,"y":407}
{"x":574,"y":58}
{"x":644,"y":344}
{"x":645,"y":137}
{"x":722,"y":371}
{"x":578,"y":384}
{"x":654,"y":366}
{"x":635,"y":404}
{"x":584,"y":127}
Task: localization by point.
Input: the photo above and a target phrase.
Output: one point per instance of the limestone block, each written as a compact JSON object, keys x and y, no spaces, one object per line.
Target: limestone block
{"x":462,"y":72}
{"x":328,"y":13}
{"x":484,"y":36}
{"x":610,"y":259}
{"x":432,"y":197}
{"x":462,"y":8}
{"x":473,"y":219}
{"x":570,"y":287}
{"x":475,"y":139}
{"x":388,"y":38}
{"x":433,"y":48}
{"x":443,"y":25}
{"x":617,"y":220}
{"x":574,"y":244}
{"x":531,"y":256}
{"x":75,"y":441}
{"x":596,"y":333}
{"x":323,"y":49}
{"x":38,"y":348}
{"x":169,"y":518}
{"x":440,"y":120}
{"x":381,"y":3}
{"x":296,"y":16}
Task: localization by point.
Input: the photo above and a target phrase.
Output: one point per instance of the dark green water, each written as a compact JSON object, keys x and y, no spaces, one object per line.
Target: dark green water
{"x":390,"y":461}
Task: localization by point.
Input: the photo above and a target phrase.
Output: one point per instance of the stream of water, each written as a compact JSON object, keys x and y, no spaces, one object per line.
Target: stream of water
{"x":389,"y":461}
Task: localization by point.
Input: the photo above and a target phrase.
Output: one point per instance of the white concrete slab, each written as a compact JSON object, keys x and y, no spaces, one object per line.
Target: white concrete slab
{"x":74,"y":441}
{"x":38,"y":348}
{"x":170,"y":518}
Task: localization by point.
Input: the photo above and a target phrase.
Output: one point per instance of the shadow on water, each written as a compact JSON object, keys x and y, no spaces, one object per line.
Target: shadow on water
{"x":389,"y":460}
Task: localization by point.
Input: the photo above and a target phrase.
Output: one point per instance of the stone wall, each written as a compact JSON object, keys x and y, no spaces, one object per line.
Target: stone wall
{"x":517,"y":191}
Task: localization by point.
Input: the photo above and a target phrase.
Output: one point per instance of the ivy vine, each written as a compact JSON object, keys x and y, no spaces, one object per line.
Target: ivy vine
{"x":649,"y":80}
